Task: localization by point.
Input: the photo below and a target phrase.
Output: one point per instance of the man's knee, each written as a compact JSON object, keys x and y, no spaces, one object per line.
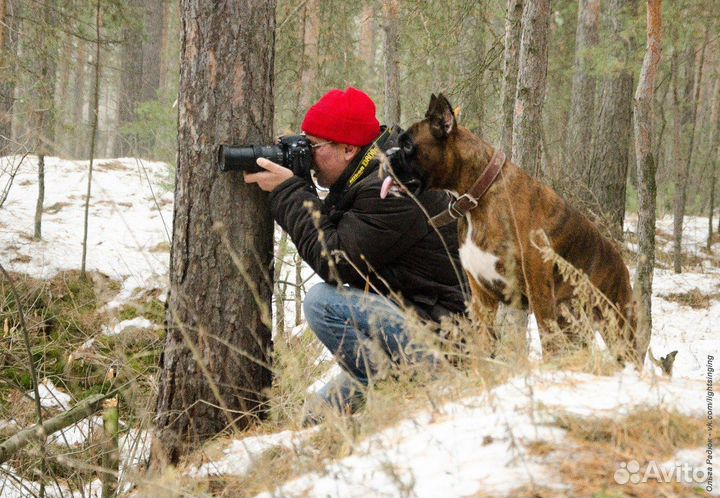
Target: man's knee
{"x":315,"y":302}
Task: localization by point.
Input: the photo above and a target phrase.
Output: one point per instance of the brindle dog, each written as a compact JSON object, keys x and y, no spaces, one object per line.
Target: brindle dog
{"x":436,"y":153}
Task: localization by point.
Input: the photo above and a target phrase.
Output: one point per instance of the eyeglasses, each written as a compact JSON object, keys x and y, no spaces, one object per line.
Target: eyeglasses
{"x":315,"y":146}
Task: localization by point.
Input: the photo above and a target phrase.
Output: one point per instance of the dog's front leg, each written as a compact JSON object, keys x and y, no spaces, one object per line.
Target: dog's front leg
{"x":483,"y":308}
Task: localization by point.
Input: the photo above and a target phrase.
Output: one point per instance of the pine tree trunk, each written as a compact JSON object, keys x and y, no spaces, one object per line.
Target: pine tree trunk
{"x":367,"y":36}
{"x":214,"y":366}
{"x":682,"y":168}
{"x":8,"y":53}
{"x":40,"y":198}
{"x":280,"y":288}
{"x":95,"y":111}
{"x":532,"y":72}
{"x":167,"y":11}
{"x":131,"y":82}
{"x":643,"y":113}
{"x":62,"y":97}
{"x":309,"y":72}
{"x":712,"y":161}
{"x":151,"y":49}
{"x":472,"y":69}
{"x":582,"y":108}
{"x":513,"y":32}
{"x":391,"y":27}
{"x":608,"y":167}
{"x":298,"y":289}
{"x":79,"y":135}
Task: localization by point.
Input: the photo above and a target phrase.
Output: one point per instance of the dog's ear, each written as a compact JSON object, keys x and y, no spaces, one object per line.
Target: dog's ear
{"x":441,"y":117}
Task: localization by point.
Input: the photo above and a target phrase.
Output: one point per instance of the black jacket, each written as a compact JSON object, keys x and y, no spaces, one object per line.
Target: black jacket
{"x":388,"y":242}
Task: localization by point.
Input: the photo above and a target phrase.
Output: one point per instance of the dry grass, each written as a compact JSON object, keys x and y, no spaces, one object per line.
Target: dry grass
{"x":694,"y":298}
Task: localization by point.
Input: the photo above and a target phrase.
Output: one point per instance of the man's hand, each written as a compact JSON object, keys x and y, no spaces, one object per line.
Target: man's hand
{"x":269,"y":179}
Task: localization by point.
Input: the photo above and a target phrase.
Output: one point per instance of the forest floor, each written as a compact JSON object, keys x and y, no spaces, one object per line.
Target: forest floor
{"x":515,"y":426}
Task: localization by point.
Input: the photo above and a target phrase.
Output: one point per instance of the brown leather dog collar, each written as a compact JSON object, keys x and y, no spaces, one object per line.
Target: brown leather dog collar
{"x":469,"y":200}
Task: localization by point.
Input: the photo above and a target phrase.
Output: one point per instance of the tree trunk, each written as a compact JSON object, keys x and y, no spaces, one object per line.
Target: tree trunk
{"x":214,"y":366}
{"x":582,"y":108}
{"x":532,"y":72}
{"x":607,"y":174}
{"x":131,"y":82}
{"x":165,"y":62}
{"x":62,"y":96}
{"x":391,"y":27}
{"x":151,"y":49}
{"x":45,"y":111}
{"x":298,"y":289}
{"x":513,"y":32}
{"x":367,"y":36}
{"x":682,"y":168}
{"x":472,"y":68}
{"x":644,"y":132}
{"x":712,"y":161}
{"x":40,"y":198}
{"x":93,"y":133}
{"x":280,"y":288}
{"x":308,"y":75}
{"x":79,"y":101}
{"x":8,"y":54}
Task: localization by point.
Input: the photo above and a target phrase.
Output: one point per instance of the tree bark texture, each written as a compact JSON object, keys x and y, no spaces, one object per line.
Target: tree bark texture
{"x":151,"y":48}
{"x":45,"y":105}
{"x":214,"y":365}
{"x":530,"y":97}
{"x":131,"y":81}
{"x":367,"y":35}
{"x":682,"y":167}
{"x":80,"y":149}
{"x":95,"y":111}
{"x":513,"y":33}
{"x":582,"y":108}
{"x":8,"y":53}
{"x":309,"y":72}
{"x":472,"y":69}
{"x":643,"y":113}
{"x":391,"y":27}
{"x":40,"y":198}
{"x":606,"y":175}
{"x":712,"y":161}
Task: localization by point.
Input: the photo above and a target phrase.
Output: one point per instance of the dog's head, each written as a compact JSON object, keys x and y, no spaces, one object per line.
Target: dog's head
{"x":421,"y":159}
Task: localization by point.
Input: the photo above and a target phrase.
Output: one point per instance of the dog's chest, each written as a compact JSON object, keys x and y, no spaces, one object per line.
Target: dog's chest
{"x":477,"y":258}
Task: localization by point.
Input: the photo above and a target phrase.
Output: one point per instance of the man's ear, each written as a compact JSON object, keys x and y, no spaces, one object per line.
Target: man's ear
{"x":350,"y":151}
{"x":441,"y":117}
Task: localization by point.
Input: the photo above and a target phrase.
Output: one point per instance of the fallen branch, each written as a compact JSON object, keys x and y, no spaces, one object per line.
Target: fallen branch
{"x":81,"y":410}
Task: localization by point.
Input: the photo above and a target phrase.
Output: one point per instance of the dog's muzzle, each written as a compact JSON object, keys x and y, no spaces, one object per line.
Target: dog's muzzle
{"x":398,"y":177}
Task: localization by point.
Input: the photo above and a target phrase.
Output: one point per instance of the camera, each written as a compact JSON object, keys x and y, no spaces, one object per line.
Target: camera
{"x":292,"y":151}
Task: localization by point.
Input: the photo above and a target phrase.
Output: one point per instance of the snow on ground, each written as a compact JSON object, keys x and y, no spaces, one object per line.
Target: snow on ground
{"x":51,"y":396}
{"x":128,"y":237}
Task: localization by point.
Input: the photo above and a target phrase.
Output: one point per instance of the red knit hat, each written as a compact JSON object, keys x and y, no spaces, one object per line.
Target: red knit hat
{"x":345,"y":117}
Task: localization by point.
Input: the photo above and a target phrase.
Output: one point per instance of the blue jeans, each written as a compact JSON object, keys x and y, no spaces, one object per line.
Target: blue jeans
{"x":366,"y":332}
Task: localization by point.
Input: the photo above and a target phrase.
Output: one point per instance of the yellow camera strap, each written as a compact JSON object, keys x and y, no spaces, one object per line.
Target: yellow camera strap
{"x":371,"y":154}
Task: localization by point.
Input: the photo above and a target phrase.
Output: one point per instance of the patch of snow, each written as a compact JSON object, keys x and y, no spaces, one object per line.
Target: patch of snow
{"x":123,"y":226}
{"x":479,"y":444}
{"x":242,"y":453}
{"x":76,"y":434}
{"x":51,"y":396}
{"x":695,"y":461}
{"x":139,"y":322}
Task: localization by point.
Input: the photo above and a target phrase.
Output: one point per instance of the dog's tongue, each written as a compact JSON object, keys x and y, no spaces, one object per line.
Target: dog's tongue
{"x":387,"y":183}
